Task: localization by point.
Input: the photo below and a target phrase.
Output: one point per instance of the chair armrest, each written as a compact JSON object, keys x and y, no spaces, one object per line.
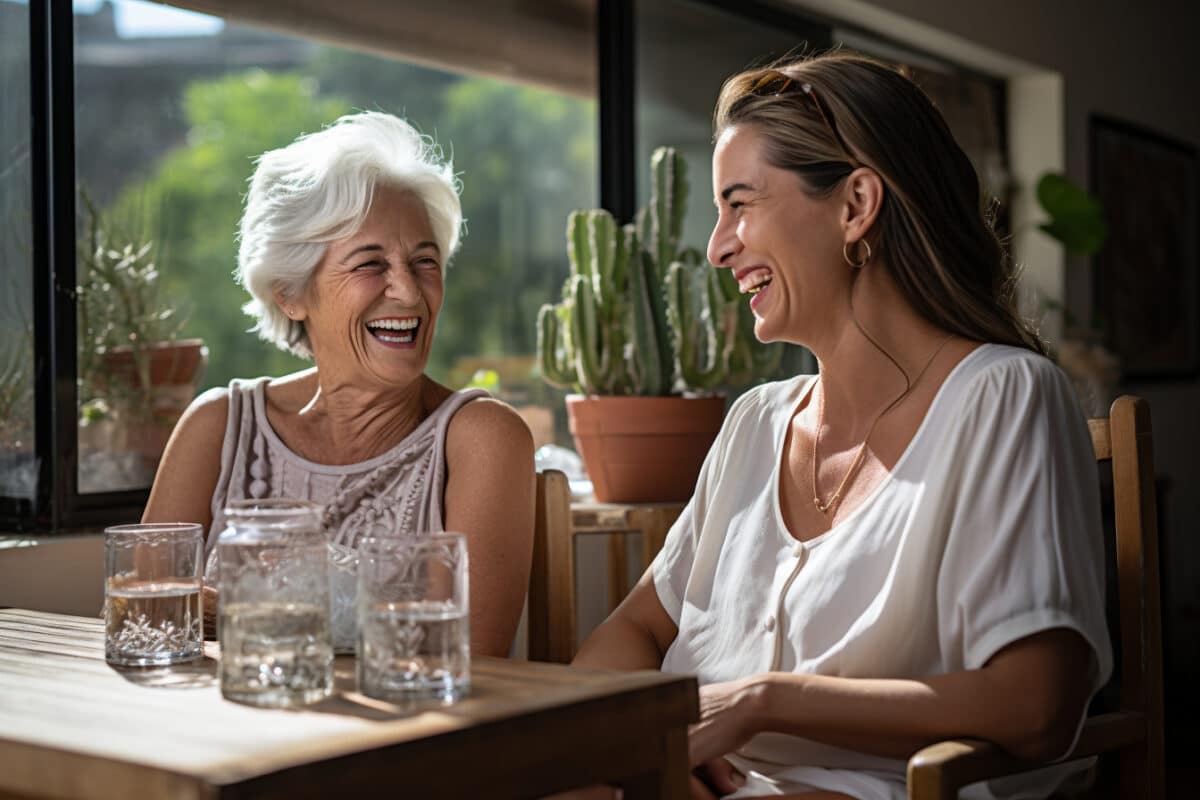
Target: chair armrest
{"x":941,"y":769}
{"x":938,"y":771}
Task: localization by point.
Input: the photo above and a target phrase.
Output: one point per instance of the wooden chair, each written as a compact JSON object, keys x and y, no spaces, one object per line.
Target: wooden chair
{"x":1135,"y":731}
{"x":559,"y":523}
{"x":552,"y":579}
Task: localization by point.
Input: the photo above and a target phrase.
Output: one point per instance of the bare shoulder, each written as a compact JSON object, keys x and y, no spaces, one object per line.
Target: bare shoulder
{"x":206,"y":415}
{"x":487,"y":424}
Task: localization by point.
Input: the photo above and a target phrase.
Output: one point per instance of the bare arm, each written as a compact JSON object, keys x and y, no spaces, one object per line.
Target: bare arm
{"x":191,"y":464}
{"x":188,"y":473}
{"x":1028,"y":699}
{"x":489,"y":497}
{"x":635,"y":636}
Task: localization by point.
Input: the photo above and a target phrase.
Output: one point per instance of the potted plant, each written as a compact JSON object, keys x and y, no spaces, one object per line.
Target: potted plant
{"x":645,"y":333}
{"x":135,"y":375}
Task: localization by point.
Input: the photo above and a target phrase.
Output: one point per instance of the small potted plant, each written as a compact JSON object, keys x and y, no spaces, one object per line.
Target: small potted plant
{"x":646,"y":333}
{"x":135,"y":375}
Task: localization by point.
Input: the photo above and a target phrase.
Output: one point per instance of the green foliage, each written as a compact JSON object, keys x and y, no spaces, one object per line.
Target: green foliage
{"x":1076,"y":218}
{"x":525,"y":154}
{"x":641,"y":316}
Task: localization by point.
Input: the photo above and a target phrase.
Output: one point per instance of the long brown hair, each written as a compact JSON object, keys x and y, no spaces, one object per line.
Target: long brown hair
{"x":824,"y":116}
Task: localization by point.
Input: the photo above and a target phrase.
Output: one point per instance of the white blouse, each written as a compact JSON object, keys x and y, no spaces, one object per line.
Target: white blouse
{"x":987,"y":530}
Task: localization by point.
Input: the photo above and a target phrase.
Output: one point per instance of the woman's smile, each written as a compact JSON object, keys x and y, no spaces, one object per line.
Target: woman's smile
{"x":395,"y":332}
{"x":754,"y":282}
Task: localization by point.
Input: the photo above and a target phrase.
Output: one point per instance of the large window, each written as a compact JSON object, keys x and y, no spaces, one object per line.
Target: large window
{"x":18,"y":469}
{"x":129,"y":133}
{"x":172,"y":107}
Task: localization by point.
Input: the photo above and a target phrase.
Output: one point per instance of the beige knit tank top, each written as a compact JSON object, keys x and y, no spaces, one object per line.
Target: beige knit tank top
{"x":398,"y":492}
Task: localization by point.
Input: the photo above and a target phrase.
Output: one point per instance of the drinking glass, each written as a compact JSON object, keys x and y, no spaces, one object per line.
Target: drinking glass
{"x":273,"y":623}
{"x":414,"y":642}
{"x":152,"y":605}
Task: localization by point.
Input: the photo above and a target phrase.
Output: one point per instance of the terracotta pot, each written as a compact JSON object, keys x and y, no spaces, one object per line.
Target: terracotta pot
{"x":171,"y":363}
{"x":175,"y":367}
{"x":644,"y":449}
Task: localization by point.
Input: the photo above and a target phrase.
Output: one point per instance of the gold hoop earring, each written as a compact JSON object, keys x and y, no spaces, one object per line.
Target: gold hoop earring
{"x":866,"y":258}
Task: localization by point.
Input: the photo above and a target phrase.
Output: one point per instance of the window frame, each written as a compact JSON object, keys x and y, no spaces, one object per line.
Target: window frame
{"x":57,"y":503}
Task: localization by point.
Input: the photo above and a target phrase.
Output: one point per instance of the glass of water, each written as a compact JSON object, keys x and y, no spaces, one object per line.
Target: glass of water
{"x":414,"y":640}
{"x":152,"y":605}
{"x":273,"y":623}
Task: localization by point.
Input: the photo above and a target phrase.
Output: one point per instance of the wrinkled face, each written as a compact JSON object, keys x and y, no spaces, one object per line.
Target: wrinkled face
{"x":372,"y":303}
{"x":783,"y":246}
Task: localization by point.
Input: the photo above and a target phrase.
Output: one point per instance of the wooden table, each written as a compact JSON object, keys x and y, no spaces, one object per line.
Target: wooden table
{"x":72,"y":726}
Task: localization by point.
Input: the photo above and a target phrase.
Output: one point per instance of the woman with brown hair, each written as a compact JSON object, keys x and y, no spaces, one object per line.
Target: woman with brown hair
{"x":905,"y":547}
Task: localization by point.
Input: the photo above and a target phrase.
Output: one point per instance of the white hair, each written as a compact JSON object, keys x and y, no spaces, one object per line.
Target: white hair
{"x":317,"y":190}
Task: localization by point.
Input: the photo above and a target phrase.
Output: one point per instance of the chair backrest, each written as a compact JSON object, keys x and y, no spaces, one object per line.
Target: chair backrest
{"x":1125,"y":439}
{"x":551,"y":627}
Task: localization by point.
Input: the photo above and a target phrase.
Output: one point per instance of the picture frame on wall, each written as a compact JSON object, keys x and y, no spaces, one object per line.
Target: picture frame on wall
{"x":1146,"y":278}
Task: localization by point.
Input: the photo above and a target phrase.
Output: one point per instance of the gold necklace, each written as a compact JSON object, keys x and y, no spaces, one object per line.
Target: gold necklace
{"x":824,"y":508}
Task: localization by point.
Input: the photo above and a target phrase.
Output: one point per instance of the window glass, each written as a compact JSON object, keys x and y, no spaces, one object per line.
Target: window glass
{"x":17,"y":462}
{"x":684,"y":52}
{"x":172,"y":107}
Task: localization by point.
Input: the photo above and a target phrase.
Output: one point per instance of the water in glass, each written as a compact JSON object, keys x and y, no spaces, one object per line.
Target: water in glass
{"x":275,"y":654}
{"x":152,"y":599}
{"x":415,"y":650}
{"x":152,"y":622}
{"x":414,"y":643}
{"x":273,"y":624}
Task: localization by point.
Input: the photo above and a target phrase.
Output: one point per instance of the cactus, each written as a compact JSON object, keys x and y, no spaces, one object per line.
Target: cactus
{"x":640,"y":316}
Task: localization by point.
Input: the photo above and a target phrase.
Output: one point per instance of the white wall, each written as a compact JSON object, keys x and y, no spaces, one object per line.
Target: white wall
{"x":64,"y":574}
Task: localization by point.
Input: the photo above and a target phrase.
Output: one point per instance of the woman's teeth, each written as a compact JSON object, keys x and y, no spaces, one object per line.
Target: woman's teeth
{"x":394,"y":331}
{"x":755,"y":282}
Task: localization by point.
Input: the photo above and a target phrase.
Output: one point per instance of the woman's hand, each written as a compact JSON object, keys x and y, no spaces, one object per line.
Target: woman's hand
{"x":715,"y":778}
{"x":729,"y":716}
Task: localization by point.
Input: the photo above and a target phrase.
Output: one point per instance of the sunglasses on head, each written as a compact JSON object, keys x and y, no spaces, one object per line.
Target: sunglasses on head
{"x":773,"y":83}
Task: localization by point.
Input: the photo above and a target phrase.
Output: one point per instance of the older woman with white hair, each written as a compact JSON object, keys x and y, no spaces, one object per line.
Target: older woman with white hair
{"x":344,"y":245}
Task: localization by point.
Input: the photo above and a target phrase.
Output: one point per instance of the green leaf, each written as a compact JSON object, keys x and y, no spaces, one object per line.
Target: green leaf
{"x":1076,"y":218}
